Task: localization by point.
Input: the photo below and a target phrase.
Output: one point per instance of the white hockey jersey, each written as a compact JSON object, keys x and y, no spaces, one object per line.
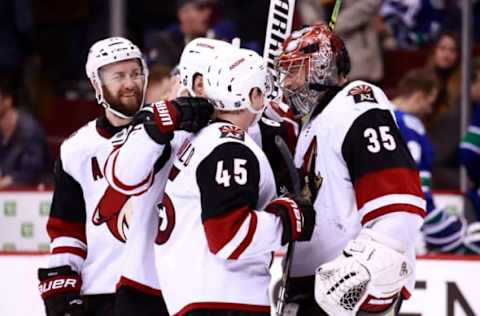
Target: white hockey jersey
{"x":91,"y":223}
{"x":357,"y":169}
{"x":217,"y":252}
{"x":135,"y":159}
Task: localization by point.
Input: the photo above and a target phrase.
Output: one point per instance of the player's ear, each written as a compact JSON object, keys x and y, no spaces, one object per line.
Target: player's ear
{"x":256,"y":98}
{"x":198,"y":85}
{"x":96,"y":86}
{"x":255,"y":95}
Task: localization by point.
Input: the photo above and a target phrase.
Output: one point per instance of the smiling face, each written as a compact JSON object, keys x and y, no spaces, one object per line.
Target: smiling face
{"x":123,"y":84}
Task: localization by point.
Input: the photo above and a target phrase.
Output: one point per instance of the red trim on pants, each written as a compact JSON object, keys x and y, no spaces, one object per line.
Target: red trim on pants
{"x":138,"y":286}
{"x":223,"y":306}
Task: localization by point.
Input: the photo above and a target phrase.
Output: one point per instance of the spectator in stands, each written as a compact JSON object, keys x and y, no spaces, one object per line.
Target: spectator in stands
{"x":250,"y":20}
{"x":445,"y":63}
{"x":418,"y":22}
{"x":470,"y":145}
{"x":195,"y":19}
{"x":356,"y":26}
{"x":416,"y":93}
{"x":159,"y":84}
{"x":24,"y":156}
{"x":16,"y":26}
{"x":312,"y":11}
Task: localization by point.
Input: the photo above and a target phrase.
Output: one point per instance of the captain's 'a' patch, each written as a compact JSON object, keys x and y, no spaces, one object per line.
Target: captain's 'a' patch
{"x":231,"y":131}
{"x":362,"y":93}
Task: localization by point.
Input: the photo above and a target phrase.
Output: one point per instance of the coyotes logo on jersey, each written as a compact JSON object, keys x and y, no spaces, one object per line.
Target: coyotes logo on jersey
{"x":166,"y":215}
{"x":362,"y":93}
{"x":114,"y":210}
{"x":312,"y":181}
{"x":232,"y":131}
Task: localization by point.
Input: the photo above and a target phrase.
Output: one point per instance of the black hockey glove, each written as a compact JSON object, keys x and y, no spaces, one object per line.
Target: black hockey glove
{"x":195,"y":113}
{"x":184,"y":113}
{"x":297,"y":216}
{"x":60,"y":290}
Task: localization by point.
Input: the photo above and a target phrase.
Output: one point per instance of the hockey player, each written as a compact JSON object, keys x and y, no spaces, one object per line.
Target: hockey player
{"x":216,"y":257}
{"x":361,"y":178}
{"x":194,"y":64}
{"x":416,"y":93}
{"x":89,"y":219}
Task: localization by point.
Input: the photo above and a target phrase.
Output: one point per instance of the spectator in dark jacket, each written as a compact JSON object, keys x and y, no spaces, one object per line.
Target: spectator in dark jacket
{"x":195,"y":19}
{"x":443,"y":124}
{"x":24,"y":156}
{"x":16,"y":26}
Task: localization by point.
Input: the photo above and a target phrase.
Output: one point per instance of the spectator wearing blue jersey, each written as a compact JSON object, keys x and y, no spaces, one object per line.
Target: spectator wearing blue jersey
{"x":470,"y":145}
{"x":470,"y":159}
{"x":417,"y":93}
{"x":415,"y":23}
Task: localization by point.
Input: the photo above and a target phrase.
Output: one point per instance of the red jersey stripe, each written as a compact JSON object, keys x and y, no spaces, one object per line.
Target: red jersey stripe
{"x":391,"y":208}
{"x":223,"y":306}
{"x":388,"y":181}
{"x":248,"y":239}
{"x":222,"y":229}
{"x":138,"y":286}
{"x":60,"y":228}
{"x":71,"y":250}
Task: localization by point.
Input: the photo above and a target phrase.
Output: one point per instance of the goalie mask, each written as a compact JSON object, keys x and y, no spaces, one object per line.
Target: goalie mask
{"x":312,"y":60}
{"x":195,"y":60}
{"x":109,"y":51}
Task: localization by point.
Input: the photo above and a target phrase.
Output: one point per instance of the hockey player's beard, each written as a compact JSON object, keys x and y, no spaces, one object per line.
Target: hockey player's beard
{"x":126,"y":101}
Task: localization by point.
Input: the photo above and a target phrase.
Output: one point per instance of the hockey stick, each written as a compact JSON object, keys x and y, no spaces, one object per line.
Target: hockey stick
{"x":295,"y":180}
{"x":279,"y":27}
{"x":333,"y":18}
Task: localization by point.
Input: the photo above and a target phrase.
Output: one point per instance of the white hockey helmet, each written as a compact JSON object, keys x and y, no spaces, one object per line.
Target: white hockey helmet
{"x":231,"y":76}
{"x":109,"y":51}
{"x":195,"y":59}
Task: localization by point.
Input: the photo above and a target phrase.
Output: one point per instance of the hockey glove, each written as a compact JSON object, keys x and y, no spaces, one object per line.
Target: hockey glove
{"x":368,"y":276}
{"x":184,"y":113}
{"x":297,"y":216}
{"x":60,"y":290}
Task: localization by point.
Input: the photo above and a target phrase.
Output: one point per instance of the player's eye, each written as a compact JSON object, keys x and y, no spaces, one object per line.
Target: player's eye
{"x":137,"y":75}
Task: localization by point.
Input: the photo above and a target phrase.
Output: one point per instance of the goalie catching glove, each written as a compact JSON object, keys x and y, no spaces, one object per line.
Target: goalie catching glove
{"x":297,"y":216}
{"x":368,"y":276}
{"x":60,"y":290}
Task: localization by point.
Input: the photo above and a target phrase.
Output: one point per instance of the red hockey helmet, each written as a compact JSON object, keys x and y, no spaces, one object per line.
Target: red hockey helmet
{"x":311,"y":60}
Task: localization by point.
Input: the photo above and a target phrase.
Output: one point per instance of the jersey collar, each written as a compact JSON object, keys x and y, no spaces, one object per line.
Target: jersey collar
{"x":105,"y":128}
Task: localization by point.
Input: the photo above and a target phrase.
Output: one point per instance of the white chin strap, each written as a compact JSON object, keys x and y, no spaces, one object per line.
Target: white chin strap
{"x":258,"y":113}
{"x":109,"y":108}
